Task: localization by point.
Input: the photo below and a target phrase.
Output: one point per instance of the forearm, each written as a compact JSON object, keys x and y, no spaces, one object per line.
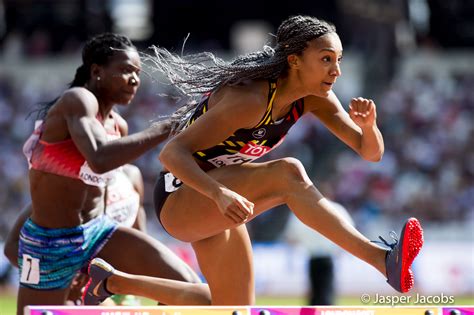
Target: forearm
{"x":183,"y":166}
{"x":11,"y":243}
{"x":11,"y":252}
{"x":372,"y":146}
{"x":121,"y":151}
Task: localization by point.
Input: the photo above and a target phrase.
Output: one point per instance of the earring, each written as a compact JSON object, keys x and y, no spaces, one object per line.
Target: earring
{"x":98,"y":78}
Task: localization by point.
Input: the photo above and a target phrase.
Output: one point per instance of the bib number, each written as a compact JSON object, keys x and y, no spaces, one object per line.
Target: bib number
{"x":171,"y":183}
{"x":30,"y":272}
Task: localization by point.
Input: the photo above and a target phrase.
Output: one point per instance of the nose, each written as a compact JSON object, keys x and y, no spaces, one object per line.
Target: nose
{"x":135,"y":79}
{"x":336,"y":70}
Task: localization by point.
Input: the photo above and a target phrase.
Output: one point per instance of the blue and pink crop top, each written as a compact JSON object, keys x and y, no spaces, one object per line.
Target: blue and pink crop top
{"x":63,"y":158}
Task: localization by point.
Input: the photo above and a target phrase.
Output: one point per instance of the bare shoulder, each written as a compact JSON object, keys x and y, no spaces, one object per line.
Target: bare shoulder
{"x":78,"y":99}
{"x":318,"y":104}
{"x":248,"y":99}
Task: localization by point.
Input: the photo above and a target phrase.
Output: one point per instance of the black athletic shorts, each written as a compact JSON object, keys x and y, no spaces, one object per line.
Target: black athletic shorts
{"x":165,"y":185}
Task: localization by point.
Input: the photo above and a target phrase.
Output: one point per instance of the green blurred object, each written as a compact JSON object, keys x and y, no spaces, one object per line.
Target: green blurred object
{"x":126,"y":300}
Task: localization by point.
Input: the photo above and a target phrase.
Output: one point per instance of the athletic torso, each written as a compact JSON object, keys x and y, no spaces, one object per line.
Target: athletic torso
{"x":61,"y":198}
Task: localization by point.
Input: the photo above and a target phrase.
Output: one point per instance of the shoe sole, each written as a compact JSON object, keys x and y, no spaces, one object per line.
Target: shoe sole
{"x":413,"y":236}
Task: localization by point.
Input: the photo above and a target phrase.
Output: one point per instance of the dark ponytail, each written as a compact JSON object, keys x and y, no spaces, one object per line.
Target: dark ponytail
{"x":81,"y":77}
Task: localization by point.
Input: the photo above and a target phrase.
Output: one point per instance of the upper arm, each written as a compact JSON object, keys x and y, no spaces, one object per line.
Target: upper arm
{"x":331,"y":113}
{"x":80,"y":109}
{"x":236,"y":109}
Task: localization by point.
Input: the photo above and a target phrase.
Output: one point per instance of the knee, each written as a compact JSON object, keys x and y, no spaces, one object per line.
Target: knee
{"x":195,"y":294}
{"x":293,"y":172}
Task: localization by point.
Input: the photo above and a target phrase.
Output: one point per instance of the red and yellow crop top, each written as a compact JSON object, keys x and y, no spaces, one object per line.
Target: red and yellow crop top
{"x":63,"y":158}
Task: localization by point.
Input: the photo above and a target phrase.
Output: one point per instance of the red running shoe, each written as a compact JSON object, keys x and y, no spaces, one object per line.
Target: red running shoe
{"x":401,"y":255}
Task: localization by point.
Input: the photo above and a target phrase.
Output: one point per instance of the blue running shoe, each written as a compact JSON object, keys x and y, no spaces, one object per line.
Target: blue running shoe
{"x":95,"y":291}
{"x":401,"y":255}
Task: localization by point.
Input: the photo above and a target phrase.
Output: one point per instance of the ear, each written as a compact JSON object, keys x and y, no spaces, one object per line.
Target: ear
{"x":293,"y":61}
{"x":96,"y":71}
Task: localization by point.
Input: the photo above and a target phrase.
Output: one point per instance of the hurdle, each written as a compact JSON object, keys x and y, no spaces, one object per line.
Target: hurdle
{"x":243,"y":310}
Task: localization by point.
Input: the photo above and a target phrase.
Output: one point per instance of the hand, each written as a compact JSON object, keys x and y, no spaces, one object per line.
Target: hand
{"x":234,"y":206}
{"x":363,"y":112}
{"x":77,"y":287}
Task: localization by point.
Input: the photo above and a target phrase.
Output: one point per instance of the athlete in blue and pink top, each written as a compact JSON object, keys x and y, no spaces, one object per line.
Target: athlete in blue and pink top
{"x":72,"y":154}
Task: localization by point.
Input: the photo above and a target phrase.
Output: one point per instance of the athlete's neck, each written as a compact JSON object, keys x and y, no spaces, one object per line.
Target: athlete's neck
{"x":288,"y":91}
{"x":104,"y":107}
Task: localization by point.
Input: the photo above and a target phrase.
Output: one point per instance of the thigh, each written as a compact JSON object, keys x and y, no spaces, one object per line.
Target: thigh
{"x":190,"y":216}
{"x":27,"y":296}
{"x":135,"y":252}
{"x":226,"y":261}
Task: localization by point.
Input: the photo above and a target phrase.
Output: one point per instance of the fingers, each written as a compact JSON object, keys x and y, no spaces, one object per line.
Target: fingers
{"x":361,"y":108}
{"x":233,"y":217}
{"x":240,"y":211}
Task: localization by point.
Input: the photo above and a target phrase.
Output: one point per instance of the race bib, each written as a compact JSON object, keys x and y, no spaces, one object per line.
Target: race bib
{"x":171,"y":183}
{"x":87,"y":175}
{"x":248,"y":153}
{"x":30,"y":272}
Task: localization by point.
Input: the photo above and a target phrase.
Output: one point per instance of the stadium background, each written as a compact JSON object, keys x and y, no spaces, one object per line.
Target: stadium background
{"x":415,"y":58}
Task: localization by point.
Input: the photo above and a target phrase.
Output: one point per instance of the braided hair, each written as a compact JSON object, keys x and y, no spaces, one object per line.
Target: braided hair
{"x":203,"y":72}
{"x":97,"y":50}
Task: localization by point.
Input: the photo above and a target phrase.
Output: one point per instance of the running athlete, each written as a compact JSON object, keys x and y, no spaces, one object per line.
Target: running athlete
{"x":211,"y":185}
{"x":248,"y":107}
{"x":73,"y":153}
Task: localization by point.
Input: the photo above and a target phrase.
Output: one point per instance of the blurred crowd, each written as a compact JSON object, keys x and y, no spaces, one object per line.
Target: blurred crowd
{"x":427,"y":170}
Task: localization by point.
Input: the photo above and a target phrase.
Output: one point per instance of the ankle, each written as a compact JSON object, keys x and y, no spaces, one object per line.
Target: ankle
{"x":382,"y":267}
{"x":111,"y":284}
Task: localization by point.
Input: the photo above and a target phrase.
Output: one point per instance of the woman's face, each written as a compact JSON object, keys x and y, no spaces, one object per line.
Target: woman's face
{"x":318,"y":66}
{"x":120,"y":77}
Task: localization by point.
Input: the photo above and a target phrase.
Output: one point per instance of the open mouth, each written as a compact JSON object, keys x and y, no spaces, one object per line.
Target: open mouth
{"x":329,"y":84}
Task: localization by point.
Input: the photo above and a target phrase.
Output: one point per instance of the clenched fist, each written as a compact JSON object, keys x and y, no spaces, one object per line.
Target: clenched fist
{"x":363,"y":112}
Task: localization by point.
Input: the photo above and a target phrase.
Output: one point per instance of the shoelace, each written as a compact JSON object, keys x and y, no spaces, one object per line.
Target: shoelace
{"x":393,"y":235}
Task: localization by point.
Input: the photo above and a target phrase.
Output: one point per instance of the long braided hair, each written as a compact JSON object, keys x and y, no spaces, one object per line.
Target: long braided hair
{"x":199,"y":73}
{"x":97,"y":50}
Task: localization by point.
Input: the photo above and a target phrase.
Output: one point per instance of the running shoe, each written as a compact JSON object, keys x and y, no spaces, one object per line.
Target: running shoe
{"x":401,"y":254}
{"x":95,"y":291}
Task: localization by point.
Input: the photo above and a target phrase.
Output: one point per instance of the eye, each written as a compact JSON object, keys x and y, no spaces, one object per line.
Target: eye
{"x":326,"y":59}
{"x":339,"y":60}
{"x":126,"y":70}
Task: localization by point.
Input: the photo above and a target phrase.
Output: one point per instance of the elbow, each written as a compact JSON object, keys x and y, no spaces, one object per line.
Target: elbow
{"x":166,"y":154}
{"x":172,"y":152}
{"x":373,"y":158}
{"x":99,"y":166}
{"x":11,"y":253}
